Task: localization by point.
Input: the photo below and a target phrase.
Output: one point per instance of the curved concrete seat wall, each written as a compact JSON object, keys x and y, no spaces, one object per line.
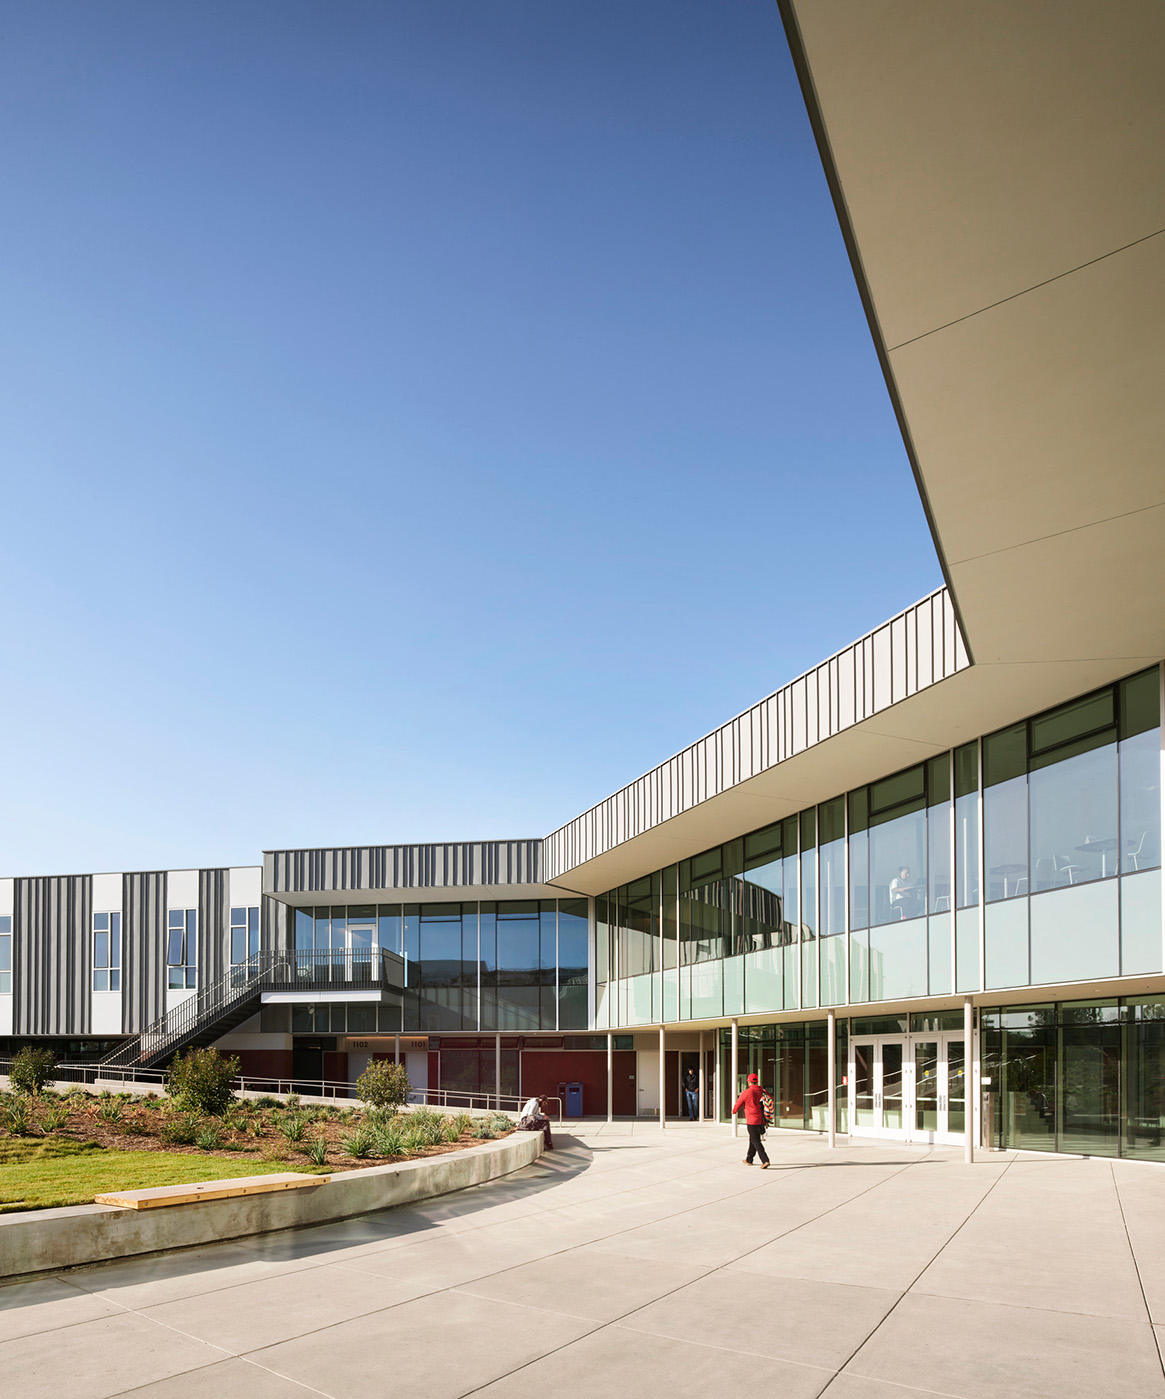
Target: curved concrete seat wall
{"x":44,"y":1240}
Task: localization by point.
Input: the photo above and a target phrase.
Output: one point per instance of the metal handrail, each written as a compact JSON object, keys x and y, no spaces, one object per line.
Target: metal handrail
{"x":283,"y":969}
{"x":453,"y":1099}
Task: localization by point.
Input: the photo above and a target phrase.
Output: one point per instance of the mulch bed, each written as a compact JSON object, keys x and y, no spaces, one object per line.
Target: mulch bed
{"x":258,"y":1139}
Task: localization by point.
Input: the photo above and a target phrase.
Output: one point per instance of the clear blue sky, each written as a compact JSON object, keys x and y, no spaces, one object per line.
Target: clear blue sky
{"x":417,"y":419}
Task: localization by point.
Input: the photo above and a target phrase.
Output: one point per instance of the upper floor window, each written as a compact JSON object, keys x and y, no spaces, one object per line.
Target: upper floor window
{"x":244,"y":934}
{"x":5,"y":954}
{"x":107,"y":952}
{"x":182,"y":949}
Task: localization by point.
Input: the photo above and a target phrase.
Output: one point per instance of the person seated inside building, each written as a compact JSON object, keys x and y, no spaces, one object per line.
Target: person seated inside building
{"x":904,"y":894}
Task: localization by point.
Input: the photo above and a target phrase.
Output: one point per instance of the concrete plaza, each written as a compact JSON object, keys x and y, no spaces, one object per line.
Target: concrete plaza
{"x":638,"y":1262}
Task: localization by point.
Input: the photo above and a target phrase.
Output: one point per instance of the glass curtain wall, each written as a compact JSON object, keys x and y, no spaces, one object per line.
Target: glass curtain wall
{"x":518,"y":965}
{"x":1082,"y":1076}
{"x":876,"y":895}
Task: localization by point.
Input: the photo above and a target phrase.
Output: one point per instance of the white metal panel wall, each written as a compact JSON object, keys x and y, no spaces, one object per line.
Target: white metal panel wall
{"x":912,"y":651}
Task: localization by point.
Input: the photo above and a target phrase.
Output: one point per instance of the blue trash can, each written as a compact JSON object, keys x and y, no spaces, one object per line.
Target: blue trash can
{"x":574,"y":1103}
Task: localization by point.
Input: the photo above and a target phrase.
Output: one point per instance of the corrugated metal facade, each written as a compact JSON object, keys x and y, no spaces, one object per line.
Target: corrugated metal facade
{"x":214,"y":924}
{"x":143,"y":903}
{"x":52,"y":954}
{"x":910,"y":652}
{"x":370,"y":867}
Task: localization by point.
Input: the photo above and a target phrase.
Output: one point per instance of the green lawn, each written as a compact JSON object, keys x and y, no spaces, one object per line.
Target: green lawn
{"x":40,"y":1173}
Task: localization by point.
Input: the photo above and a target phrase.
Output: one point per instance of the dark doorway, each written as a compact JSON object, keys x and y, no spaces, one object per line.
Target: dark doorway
{"x":307,"y":1069}
{"x":624,"y":1098}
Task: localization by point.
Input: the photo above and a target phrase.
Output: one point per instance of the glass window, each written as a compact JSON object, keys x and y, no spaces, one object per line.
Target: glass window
{"x":1140,"y":773}
{"x":669,"y":921}
{"x":809,"y":907}
{"x":1074,"y":818}
{"x":106,"y":951}
{"x":898,"y":960}
{"x":967,"y":950}
{"x":6,"y":954}
{"x":1005,"y":812}
{"x":1145,"y":1080}
{"x":245,"y":934}
{"x":859,"y":872}
{"x":832,"y":916}
{"x":938,"y":838}
{"x":182,"y":949}
{"x":898,"y":847}
{"x":572,"y":964}
{"x":967,"y":825}
{"x":702,"y":900}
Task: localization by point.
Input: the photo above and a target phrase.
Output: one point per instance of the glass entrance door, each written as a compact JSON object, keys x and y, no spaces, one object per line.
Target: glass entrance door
{"x":911,"y":1088}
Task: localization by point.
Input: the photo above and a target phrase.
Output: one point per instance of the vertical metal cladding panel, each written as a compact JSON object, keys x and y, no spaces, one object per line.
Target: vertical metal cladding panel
{"x":274,"y":926}
{"x":797,"y":695}
{"x":846,"y":680}
{"x":925,"y":642}
{"x":897,"y":660}
{"x":143,"y":953}
{"x":214,"y":925}
{"x":52,"y":954}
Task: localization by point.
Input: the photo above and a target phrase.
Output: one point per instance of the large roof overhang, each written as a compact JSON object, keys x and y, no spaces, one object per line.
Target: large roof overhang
{"x":997,"y":172}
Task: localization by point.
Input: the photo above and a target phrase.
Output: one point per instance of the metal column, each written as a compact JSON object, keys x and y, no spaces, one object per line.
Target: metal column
{"x":662,"y":1078}
{"x":831,"y":1070}
{"x":610,"y":1077}
{"x":700,"y":1080}
{"x":970,"y":1116}
{"x":498,"y":1070}
{"x":396,"y":1049}
{"x":735,"y":1075}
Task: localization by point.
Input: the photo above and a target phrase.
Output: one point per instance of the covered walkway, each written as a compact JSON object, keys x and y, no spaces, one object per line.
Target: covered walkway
{"x":635,"y":1260}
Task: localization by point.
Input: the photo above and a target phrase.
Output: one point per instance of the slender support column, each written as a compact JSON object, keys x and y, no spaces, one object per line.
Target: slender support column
{"x":396,"y":1049}
{"x":700,"y":1080}
{"x":735,"y":1073}
{"x":610,"y":1077}
{"x":662,"y":1077}
{"x":831,"y":1070}
{"x":970,"y":1079}
{"x":717,"y":1096}
{"x":498,"y":1070}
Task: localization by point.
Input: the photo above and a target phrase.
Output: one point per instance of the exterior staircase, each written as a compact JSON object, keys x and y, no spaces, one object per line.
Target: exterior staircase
{"x":235,"y":997}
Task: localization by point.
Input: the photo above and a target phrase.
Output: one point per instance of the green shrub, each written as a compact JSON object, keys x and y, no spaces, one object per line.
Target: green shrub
{"x":451,"y":1131}
{"x":265,"y":1102}
{"x":293,"y":1127}
{"x":56,"y":1117}
{"x":18,"y":1116}
{"x":180,"y":1130}
{"x":208,"y":1138}
{"x":318,"y":1150}
{"x":31,"y":1069}
{"x":389,"y":1140}
{"x":110,"y":1111}
{"x":200,"y":1081}
{"x":359,"y":1143}
{"x":463,"y":1122}
{"x":384,"y":1084}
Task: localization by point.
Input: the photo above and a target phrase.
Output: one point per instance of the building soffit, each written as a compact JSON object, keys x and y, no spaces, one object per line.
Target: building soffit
{"x":996,"y":171}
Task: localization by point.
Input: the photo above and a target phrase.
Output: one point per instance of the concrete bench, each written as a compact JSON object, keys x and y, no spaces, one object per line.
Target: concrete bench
{"x":206,"y":1190}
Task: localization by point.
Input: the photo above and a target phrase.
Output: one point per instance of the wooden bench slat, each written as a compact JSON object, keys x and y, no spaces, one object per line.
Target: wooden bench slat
{"x":206,"y":1190}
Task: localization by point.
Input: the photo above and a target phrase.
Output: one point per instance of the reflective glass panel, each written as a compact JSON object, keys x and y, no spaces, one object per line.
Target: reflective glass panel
{"x":898,"y":960}
{"x":926,"y":1082}
{"x":1140,"y":923}
{"x":891,"y":1086}
{"x":1140,"y":801}
{"x":1075,"y":933}
{"x":898,"y":867}
{"x":863,"y":1084}
{"x":1074,"y":819}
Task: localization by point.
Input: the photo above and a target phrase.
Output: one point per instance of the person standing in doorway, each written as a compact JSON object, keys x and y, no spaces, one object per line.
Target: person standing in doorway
{"x":751,"y":1100}
{"x":691,"y":1092}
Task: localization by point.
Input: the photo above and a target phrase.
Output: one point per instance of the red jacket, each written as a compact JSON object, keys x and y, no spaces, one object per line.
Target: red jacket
{"x":749,"y":1100}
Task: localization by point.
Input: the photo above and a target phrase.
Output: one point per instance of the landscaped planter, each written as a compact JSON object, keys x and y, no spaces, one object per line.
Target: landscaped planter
{"x":46,"y":1240}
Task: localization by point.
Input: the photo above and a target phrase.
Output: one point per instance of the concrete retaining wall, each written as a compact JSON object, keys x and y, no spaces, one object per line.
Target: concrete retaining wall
{"x":40,"y":1240}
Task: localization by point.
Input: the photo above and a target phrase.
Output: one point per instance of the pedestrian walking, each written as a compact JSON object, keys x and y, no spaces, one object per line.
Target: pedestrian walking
{"x":752,"y":1101}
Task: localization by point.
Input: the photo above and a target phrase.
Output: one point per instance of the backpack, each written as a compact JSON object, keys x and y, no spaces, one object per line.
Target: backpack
{"x":768,"y":1107}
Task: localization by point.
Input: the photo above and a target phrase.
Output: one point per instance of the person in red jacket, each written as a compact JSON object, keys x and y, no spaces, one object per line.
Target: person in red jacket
{"x":754,"y":1120}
